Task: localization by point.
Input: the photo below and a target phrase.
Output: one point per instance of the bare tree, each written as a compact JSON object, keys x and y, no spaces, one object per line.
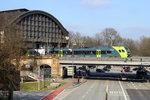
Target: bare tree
{"x":75,"y":40}
{"x":144,"y":46}
{"x":132,"y":45}
{"x":98,"y":41}
{"x":71,"y":39}
{"x":10,"y":55}
{"x":111,"y":37}
{"x":88,"y":41}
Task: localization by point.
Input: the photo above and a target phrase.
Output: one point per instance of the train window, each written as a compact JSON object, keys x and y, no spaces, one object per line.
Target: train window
{"x":86,"y":52}
{"x":77,"y":52}
{"x":119,"y":50}
{"x":80,"y":52}
{"x":108,"y":52}
{"x":123,"y":50}
{"x":91,"y":53}
{"x":83,"y":52}
{"x":103,"y":52}
{"x":69,"y":52}
{"x":65,"y":52}
{"x":94,"y":52}
{"x":56,"y":52}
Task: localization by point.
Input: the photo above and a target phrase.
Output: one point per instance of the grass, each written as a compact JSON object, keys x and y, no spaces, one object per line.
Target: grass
{"x":34,"y":86}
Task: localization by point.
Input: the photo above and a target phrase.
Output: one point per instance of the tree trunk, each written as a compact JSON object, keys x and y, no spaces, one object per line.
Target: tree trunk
{"x":10,"y":96}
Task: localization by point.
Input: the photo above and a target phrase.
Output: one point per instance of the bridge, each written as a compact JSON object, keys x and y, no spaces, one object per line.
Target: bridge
{"x":131,"y":61}
{"x":59,"y":66}
{"x":70,"y":63}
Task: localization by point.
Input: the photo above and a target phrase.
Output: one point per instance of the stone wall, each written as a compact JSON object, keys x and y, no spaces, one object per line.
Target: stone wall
{"x":37,"y":61}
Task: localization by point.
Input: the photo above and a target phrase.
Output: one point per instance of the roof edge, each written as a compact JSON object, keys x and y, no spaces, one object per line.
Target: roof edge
{"x":22,"y":9}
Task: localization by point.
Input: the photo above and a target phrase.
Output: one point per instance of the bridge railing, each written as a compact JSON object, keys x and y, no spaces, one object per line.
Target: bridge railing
{"x":129,"y":59}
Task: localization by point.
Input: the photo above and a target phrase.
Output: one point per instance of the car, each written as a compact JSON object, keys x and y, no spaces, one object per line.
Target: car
{"x":127,"y":69}
{"x":135,"y":69}
{"x":108,"y":66}
{"x":147,"y":72}
{"x":123,"y":77}
{"x":106,"y":69}
{"x":100,"y":70}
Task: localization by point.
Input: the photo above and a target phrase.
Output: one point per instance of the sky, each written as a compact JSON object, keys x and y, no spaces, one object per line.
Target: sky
{"x":131,"y":18}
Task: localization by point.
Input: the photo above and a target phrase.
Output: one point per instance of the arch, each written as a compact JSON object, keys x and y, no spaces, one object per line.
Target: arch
{"x":23,"y":15}
{"x":45,"y":70}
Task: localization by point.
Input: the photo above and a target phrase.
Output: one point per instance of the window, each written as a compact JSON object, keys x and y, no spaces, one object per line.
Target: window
{"x":103,"y":52}
{"x":123,"y":50}
{"x":108,"y":52}
{"x":94,"y":52}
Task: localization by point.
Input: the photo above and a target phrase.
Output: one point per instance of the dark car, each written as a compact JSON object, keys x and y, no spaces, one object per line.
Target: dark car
{"x":123,"y":77}
{"x":108,"y":66}
{"x":135,"y":69}
{"x":100,"y":70}
{"x":106,"y":69}
{"x":147,"y":72}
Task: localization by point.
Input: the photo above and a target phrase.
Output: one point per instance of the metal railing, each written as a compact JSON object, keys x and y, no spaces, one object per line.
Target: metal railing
{"x":130,"y":59}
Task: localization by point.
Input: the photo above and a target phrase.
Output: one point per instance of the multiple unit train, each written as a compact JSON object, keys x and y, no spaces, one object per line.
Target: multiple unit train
{"x":114,"y":51}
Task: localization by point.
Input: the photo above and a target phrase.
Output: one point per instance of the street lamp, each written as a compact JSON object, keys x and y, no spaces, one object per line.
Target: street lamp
{"x":67,"y":38}
{"x":59,"y":47}
{"x":71,"y":50}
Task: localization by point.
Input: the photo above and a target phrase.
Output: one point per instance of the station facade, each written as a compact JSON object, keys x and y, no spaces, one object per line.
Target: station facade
{"x":39,"y":29}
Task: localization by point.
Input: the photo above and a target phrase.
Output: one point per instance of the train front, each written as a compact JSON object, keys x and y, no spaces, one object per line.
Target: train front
{"x":128,"y":51}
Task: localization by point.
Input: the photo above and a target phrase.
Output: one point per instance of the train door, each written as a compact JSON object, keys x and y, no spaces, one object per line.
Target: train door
{"x":98,"y":53}
{"x":61,"y":53}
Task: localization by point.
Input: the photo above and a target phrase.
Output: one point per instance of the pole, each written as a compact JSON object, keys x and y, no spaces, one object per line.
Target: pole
{"x":72,"y":70}
{"x":39,"y":78}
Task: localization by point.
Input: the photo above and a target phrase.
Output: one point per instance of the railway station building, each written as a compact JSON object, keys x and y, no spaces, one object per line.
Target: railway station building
{"x":39,"y":29}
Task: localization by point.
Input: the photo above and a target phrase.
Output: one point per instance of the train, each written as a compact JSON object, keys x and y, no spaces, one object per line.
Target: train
{"x":114,"y":51}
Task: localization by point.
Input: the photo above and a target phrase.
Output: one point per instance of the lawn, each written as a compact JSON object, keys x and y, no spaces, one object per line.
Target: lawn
{"x":33,"y":86}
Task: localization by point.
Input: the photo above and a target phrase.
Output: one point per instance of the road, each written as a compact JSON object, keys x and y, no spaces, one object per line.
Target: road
{"x":30,"y":95}
{"x":97,"y":89}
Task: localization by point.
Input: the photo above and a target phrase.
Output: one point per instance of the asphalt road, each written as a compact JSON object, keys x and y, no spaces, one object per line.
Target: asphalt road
{"x":30,"y":95}
{"x":91,"y":90}
{"x":97,"y":89}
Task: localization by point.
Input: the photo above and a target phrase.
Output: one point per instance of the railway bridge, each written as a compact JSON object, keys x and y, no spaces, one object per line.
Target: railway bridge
{"x":58,"y":65}
{"x":70,"y":63}
{"x":116,"y":61}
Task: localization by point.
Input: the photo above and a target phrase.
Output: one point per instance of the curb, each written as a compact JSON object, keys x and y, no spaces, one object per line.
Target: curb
{"x":78,"y":84}
{"x":56,"y":92}
{"x":52,"y":95}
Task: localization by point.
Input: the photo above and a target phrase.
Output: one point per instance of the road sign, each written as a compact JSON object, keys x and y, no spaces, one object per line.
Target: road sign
{"x":38,"y":77}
